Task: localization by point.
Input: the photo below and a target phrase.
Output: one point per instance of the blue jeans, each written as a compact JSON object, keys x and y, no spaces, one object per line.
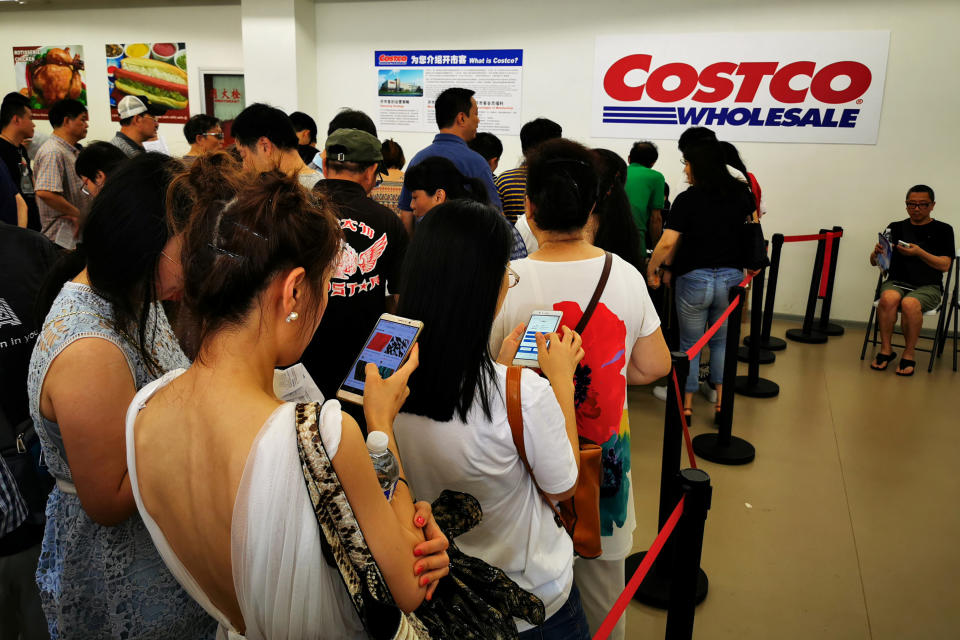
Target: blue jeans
{"x":702,"y":296}
{"x":569,"y":623}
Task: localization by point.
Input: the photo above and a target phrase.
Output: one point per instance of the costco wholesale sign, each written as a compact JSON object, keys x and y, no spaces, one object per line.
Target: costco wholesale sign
{"x":763,"y":87}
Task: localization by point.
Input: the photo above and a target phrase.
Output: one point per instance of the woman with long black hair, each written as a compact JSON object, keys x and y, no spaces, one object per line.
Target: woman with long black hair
{"x":700,"y":249}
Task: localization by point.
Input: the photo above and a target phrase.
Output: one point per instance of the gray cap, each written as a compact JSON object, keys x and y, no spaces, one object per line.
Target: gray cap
{"x":130,"y":106}
{"x":352,"y":145}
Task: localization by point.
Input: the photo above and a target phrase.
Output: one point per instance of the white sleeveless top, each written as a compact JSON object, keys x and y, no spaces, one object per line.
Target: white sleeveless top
{"x":284,"y":586}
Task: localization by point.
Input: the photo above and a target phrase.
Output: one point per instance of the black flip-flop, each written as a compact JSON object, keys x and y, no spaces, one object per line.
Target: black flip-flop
{"x":883,"y":359}
{"x":904,"y":363}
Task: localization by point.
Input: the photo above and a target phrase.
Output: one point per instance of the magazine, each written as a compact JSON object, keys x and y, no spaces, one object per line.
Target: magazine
{"x":886,"y":253}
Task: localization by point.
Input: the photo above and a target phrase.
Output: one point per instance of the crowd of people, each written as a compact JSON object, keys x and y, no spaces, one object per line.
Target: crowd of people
{"x":154,"y":485}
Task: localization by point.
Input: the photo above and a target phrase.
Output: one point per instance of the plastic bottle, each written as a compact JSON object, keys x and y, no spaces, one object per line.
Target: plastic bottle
{"x":388,"y":471}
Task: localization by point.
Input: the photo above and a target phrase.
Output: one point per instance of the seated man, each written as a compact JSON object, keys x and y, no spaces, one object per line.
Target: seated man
{"x":922,"y":252}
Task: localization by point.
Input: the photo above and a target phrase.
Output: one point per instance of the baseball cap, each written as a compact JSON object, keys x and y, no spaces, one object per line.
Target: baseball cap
{"x":130,"y":106}
{"x":353,"y":145}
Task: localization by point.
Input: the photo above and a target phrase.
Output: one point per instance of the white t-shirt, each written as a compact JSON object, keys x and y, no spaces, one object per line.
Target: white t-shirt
{"x":526,"y":233}
{"x":518,"y":533}
{"x":624,"y":315}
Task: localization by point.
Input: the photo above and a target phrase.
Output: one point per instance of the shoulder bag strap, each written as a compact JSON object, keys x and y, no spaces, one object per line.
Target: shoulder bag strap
{"x":515,"y":418}
{"x":601,"y":285}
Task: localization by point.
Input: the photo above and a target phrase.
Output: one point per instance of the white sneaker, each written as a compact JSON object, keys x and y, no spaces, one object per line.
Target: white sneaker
{"x":708,"y":392}
{"x":660,"y":393}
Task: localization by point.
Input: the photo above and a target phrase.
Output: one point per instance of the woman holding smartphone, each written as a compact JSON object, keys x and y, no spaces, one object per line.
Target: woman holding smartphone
{"x":622,"y":342}
{"x":212,"y":452}
{"x":454,"y":432}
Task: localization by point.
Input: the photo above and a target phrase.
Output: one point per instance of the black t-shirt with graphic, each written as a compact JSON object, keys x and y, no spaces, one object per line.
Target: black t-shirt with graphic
{"x":15,"y":159}
{"x":935,"y":238}
{"x":375,"y":244}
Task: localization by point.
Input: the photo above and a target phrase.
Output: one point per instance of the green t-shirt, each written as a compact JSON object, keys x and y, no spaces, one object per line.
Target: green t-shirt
{"x":645,"y":191}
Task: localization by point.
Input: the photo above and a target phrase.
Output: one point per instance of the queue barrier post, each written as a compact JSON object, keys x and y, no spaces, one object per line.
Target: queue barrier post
{"x":724,"y":447}
{"x":807,"y":334}
{"x":766,"y":342}
{"x":761,"y":355}
{"x":825,"y":326}
{"x":697,"y":492}
{"x":752,"y":385}
{"x":654,"y":591}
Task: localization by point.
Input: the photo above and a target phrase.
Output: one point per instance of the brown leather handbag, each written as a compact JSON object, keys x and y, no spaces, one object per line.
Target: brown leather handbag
{"x":579,"y":515}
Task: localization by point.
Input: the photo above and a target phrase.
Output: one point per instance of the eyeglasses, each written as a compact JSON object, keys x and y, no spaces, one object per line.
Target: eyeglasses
{"x":514,"y":277}
{"x":918,"y":205}
{"x":218,"y":136}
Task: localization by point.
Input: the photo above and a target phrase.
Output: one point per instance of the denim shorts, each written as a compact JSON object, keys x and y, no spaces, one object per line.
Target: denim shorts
{"x":569,"y":623}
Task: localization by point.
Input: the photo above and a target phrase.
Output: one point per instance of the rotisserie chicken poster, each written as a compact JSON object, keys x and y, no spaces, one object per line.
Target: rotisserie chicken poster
{"x":155,"y":72}
{"x":48,"y":74}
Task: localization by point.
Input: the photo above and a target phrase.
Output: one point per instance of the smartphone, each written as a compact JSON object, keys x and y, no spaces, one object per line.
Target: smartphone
{"x":906,"y":245}
{"x":387,"y":347}
{"x":540,"y":322}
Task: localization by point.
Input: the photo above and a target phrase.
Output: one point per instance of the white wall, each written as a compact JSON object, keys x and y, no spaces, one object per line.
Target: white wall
{"x":805,"y":186}
{"x":211,"y":33}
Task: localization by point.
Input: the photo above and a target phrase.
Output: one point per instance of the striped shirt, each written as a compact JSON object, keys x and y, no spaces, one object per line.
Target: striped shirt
{"x":13,"y":510}
{"x":53,"y":170}
{"x":512,"y":187}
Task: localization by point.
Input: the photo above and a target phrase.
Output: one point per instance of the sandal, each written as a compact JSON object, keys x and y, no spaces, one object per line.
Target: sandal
{"x":882,"y":361}
{"x":688,"y":414}
{"x":716,"y":415}
{"x":905,"y":364}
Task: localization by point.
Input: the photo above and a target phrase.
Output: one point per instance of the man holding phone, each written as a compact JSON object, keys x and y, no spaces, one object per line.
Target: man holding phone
{"x":922,"y":251}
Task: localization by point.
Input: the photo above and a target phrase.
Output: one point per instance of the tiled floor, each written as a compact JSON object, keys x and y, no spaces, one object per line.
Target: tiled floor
{"x":853,"y":524}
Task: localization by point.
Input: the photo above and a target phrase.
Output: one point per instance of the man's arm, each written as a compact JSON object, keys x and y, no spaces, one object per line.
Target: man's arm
{"x":940,"y":263}
{"x":21,"y":211}
{"x":58,"y":203}
{"x":655,"y":225}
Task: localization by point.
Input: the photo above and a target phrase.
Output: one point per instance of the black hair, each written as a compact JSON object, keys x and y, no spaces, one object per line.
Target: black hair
{"x":487,"y":145}
{"x":437,"y":172}
{"x":732,"y":157}
{"x":198,"y":125}
{"x":303,"y":122}
{"x":708,"y":169}
{"x":451,"y":103}
{"x":260,"y":120}
{"x":643,"y":152}
{"x":695,"y":135}
{"x":921,"y":188}
{"x":352,"y":119}
{"x":452,"y":276}
{"x":14,"y":104}
{"x":537,"y":131}
{"x":63,"y":109}
{"x":392,"y":155}
{"x":98,"y":156}
{"x":124,"y":233}
{"x":561,"y":184}
{"x":616,"y":229}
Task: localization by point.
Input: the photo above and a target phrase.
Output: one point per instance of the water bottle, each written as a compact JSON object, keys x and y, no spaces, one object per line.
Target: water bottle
{"x":388,"y":471}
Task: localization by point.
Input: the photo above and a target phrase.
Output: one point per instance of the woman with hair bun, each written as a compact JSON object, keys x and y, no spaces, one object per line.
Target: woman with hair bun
{"x":105,"y":336}
{"x":621,"y":341}
{"x":213,"y":454}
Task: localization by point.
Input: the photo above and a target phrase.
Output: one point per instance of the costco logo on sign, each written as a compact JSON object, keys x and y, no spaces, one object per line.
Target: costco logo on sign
{"x":765,"y":90}
{"x":387,"y":60}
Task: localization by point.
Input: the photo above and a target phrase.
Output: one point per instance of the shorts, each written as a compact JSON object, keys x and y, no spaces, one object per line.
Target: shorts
{"x":929,"y":295}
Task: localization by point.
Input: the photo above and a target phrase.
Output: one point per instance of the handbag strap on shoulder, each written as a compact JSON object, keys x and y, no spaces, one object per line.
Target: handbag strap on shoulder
{"x":515,"y":418}
{"x":601,"y":285}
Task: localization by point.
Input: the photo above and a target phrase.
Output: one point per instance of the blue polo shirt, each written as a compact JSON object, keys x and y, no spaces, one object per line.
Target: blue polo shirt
{"x":469,"y":162}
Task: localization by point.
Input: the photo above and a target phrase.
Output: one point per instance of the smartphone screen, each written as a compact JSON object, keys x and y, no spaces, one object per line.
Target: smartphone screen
{"x":540,"y":322}
{"x":386,"y":347}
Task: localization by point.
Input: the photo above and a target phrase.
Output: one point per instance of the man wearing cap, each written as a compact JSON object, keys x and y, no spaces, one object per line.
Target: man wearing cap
{"x":367,"y":279}
{"x":137,"y":124}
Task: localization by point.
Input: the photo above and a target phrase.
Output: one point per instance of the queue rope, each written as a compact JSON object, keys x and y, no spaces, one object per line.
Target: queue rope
{"x":683,"y":420}
{"x":638,"y":576}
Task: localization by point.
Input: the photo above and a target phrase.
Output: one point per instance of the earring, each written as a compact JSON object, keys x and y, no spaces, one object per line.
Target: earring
{"x":293,"y":316}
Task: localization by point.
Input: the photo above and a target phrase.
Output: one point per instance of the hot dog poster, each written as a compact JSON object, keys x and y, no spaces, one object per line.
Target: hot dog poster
{"x":46,"y":74}
{"x":155,"y":72}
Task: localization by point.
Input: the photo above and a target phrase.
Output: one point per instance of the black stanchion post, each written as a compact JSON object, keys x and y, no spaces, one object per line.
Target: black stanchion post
{"x":752,"y":385}
{"x":697,"y":492}
{"x":655,"y":589}
{"x":724,"y":447}
{"x":766,"y":342}
{"x":748,"y":353}
{"x":807,"y":334}
{"x":825,"y":326}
